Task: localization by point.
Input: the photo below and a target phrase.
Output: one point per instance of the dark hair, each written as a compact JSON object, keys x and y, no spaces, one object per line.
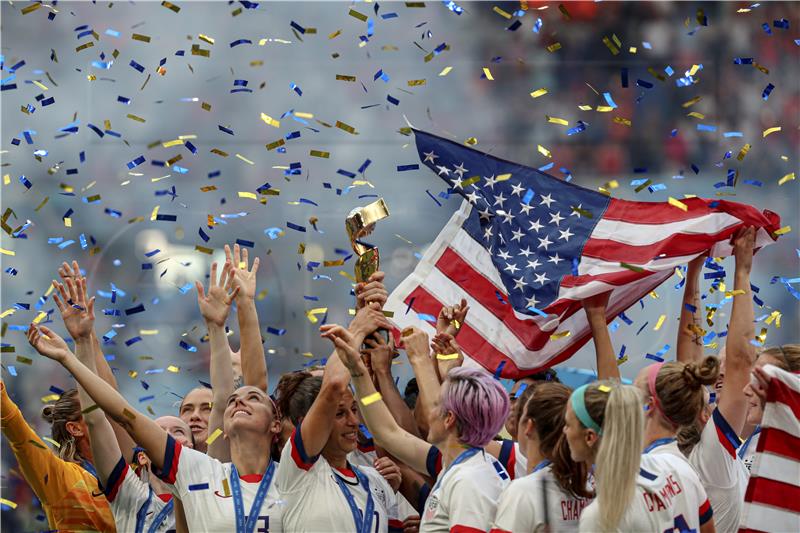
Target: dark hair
{"x":411,"y":393}
{"x":66,"y":409}
{"x":548,"y":374}
{"x":296,"y":392}
{"x":546,"y":408}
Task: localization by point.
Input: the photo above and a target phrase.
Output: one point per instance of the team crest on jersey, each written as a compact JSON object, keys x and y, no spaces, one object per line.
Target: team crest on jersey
{"x":431,"y":506}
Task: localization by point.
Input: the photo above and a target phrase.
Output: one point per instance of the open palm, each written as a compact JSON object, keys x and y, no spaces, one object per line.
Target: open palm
{"x":76,"y":312}
{"x":244,"y":276}
{"x":216,"y":303}
{"x":48,"y":343}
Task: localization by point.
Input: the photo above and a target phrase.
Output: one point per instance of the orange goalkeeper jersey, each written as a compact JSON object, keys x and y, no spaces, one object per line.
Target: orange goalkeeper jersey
{"x":69,"y":494}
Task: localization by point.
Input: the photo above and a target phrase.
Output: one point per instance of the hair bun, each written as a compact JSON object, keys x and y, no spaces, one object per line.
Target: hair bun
{"x":705,"y":373}
{"x":47,"y":413}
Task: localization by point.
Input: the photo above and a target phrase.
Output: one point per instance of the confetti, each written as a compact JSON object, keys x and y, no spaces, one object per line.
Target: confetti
{"x":488,"y":74}
{"x":785,"y":179}
{"x":211,"y":438}
{"x":446,"y":357}
{"x":539,"y":92}
{"x":372,"y":398}
{"x":660,"y":322}
{"x":770,"y":130}
{"x":677,"y":203}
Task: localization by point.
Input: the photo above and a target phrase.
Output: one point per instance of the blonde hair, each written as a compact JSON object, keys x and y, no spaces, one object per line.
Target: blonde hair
{"x":619,"y":455}
{"x":66,"y":409}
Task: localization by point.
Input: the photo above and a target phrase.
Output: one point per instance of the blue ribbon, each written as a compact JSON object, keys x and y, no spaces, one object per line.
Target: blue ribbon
{"x":141,"y":515}
{"x":658,"y":442}
{"x":242,"y":525}
{"x":363,"y":522}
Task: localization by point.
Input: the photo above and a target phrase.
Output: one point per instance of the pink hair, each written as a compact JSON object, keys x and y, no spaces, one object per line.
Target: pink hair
{"x":479,"y":402}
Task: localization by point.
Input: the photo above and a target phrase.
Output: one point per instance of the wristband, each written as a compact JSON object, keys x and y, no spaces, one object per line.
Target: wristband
{"x":372,"y":398}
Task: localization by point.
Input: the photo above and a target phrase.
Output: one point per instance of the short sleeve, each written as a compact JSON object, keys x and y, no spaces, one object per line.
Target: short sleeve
{"x":714,"y":457}
{"x":433,"y":463}
{"x":127,"y":492}
{"x":115,"y":479}
{"x":295,"y":463}
{"x":184,"y":468}
{"x":471,"y":507}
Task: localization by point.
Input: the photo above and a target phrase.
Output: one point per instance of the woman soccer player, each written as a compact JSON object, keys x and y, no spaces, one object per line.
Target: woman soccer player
{"x":635,"y":491}
{"x":555,"y":491}
{"x":322,"y":489}
{"x":471,"y":410}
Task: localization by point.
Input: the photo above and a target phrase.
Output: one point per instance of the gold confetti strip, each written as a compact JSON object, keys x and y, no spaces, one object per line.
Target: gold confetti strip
{"x":470,"y":181}
{"x":39,"y":85}
{"x":690,"y":103}
{"x":502,"y":13}
{"x":472,"y":141}
{"x":7,"y":252}
{"x":677,"y":203}
{"x":206,"y":106}
{"x":604,"y":388}
{"x":776,"y":316}
{"x":206,"y":38}
{"x":584,"y":107}
{"x":787,"y":177}
{"x":84,"y":46}
{"x":270,"y":121}
{"x":544,"y":151}
{"x":31,"y":8}
{"x":743,"y":152}
{"x":134,"y":117}
{"x":346,"y":127}
{"x":783,"y":230}
{"x":770,"y":130}
{"x":403,"y":239}
{"x":660,"y":322}
{"x":488,"y":74}
{"x":50,"y":398}
{"x":90,"y":409}
{"x":197,"y":51}
{"x":203,"y":249}
{"x":504,"y":177}
{"x":243,"y":158}
{"x":51,"y":441}
{"x":446,"y":357}
{"x":631,"y":267}
{"x":41,"y":316}
{"x":68,"y":222}
{"x":347,"y":275}
{"x":414,"y":83}
{"x":335,"y":34}
{"x":9,"y":503}
{"x":556,"y":336}
{"x":604,"y":109}
{"x":553,"y":47}
{"x":372,"y":398}
{"x":557,"y":120}
{"x":170,"y":5}
{"x":24,"y":360}
{"x":623,"y":121}
{"x":539,"y":92}
{"x":148,"y":332}
{"x":247,"y":194}
{"x":610,"y":45}
{"x":128,"y":414}
{"x":337,"y":262}
{"x":8,"y":312}
{"x":445,"y":71}
{"x":695,"y":114}
{"x":319,"y":153}
{"x":170,"y":144}
{"x":208,"y":188}
{"x":174,"y":369}
{"x":226,"y":491}
{"x":273,"y":145}
{"x":360,"y":16}
{"x":140,"y":37}
{"x":214,"y":436}
{"x":345,"y":77}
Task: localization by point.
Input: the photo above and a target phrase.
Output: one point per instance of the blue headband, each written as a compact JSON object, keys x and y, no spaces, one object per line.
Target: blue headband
{"x":579,"y":407}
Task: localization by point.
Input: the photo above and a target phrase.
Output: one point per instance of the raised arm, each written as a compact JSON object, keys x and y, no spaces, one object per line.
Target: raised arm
{"x":409,"y":449}
{"x":739,"y":352}
{"x":381,"y":360}
{"x":448,"y":354}
{"x":254,"y":363}
{"x":690,"y":338}
{"x":101,"y":368}
{"x":316,"y":425}
{"x":143,"y":430}
{"x":451,"y":317}
{"x":418,"y":351}
{"x":373,"y":290}
{"x":215,"y":305}
{"x":78,"y":315}
{"x":595,"y":307}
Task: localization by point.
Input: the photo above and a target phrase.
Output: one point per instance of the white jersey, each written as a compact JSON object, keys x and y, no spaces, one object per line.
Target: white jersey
{"x":132,"y":499}
{"x":747,"y":451}
{"x":315,"y":501}
{"x":721,"y":471}
{"x":668,"y":496}
{"x":465,"y":495}
{"x":535,"y":500}
{"x":365,"y":455}
{"x":203,"y":485}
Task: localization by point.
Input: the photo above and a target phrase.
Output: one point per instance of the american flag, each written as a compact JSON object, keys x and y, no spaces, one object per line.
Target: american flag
{"x":772,"y":500}
{"x":525,"y":248}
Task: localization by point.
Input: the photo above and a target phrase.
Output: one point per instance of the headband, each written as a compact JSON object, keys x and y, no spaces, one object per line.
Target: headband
{"x":579,"y":406}
{"x":652,"y":374}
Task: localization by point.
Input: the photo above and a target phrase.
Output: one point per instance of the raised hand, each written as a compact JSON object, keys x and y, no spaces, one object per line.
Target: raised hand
{"x":346,"y":347}
{"x":446,"y":348}
{"x":216,"y":303}
{"x":596,"y":305}
{"x":416,"y":342}
{"x":371,"y":291}
{"x":380,"y":353}
{"x":76,"y":312}
{"x":451,"y":318}
{"x":367,"y":320}
{"x":48,"y":343}
{"x":244,"y":276}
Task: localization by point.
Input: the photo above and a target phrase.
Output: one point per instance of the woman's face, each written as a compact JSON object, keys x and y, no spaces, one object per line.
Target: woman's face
{"x":249,"y":409}
{"x":580,"y":439}
{"x":344,"y":433}
{"x":755,"y":411}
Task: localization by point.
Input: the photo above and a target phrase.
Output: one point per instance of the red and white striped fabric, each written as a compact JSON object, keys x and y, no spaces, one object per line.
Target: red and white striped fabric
{"x":457,"y":266}
{"x":772,"y":500}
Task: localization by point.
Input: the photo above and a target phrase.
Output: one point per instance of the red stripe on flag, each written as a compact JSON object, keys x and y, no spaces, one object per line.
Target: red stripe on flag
{"x":619,"y":278}
{"x":778,"y":442}
{"x":650,"y":213}
{"x":773,"y":493}
{"x":673,"y":246}
{"x":780,"y":392}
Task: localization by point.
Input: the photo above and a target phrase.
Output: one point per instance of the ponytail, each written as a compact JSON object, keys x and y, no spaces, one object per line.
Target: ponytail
{"x":546,"y":408}
{"x":66,"y":409}
{"x":619,"y":455}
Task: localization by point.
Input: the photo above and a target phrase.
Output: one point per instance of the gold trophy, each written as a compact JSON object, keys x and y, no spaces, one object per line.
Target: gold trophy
{"x":360,"y":223}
